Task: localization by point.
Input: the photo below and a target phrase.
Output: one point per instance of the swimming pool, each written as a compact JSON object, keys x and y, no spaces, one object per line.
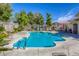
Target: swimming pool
{"x":38,"y":39}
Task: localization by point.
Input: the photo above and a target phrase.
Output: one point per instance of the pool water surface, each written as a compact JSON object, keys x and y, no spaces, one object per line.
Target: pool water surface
{"x":39,"y":39}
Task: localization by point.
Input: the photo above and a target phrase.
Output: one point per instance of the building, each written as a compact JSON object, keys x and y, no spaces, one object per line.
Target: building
{"x":59,"y":26}
{"x":72,"y":26}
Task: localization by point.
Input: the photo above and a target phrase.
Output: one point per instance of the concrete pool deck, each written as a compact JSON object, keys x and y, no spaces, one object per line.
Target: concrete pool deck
{"x":67,"y":48}
{"x":70,"y":47}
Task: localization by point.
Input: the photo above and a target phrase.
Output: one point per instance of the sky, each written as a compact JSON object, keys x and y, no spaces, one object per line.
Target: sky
{"x":58,"y":11}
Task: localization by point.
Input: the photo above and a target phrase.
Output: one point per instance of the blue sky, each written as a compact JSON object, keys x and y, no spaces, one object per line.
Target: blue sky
{"x":57,"y":10}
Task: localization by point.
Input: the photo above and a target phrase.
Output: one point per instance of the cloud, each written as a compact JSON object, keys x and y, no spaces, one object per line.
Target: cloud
{"x":69,"y":16}
{"x":64,"y":19}
{"x":73,"y":11}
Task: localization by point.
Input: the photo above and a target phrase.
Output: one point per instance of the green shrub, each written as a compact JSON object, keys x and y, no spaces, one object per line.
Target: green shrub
{"x":2,"y":29}
{"x":3,"y":42}
{"x":3,"y":35}
{"x":18,"y":29}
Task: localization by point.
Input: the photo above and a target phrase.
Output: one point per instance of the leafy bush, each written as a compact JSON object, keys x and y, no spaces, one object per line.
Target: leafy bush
{"x":18,"y":29}
{"x":3,"y":42}
{"x":3,"y":35}
{"x":2,"y":29}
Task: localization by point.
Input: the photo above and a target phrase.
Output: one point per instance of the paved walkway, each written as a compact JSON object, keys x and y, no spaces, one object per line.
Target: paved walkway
{"x":67,"y":48}
{"x":70,"y":47}
{"x":76,"y":36}
{"x":35,"y":52}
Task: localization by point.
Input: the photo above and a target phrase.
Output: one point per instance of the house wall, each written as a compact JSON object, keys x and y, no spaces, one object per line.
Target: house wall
{"x":62,"y":27}
{"x":78,"y":28}
{"x":59,"y":26}
{"x":69,"y":26}
{"x":75,"y":22}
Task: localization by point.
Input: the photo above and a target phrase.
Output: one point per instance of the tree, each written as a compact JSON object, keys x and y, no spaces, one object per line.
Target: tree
{"x":49,"y":21}
{"x":31,"y":19}
{"x":22,"y":19}
{"x":5,"y":12}
{"x":39,"y":20}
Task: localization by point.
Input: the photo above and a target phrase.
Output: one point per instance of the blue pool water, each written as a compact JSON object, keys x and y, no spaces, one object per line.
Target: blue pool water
{"x":39,"y":39}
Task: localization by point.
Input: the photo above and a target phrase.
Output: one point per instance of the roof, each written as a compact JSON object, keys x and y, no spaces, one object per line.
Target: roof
{"x":74,"y":19}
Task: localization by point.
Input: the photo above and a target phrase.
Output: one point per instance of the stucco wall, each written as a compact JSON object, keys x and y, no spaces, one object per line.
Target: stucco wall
{"x":75,"y":22}
{"x":69,"y":26}
{"x":78,"y":28}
